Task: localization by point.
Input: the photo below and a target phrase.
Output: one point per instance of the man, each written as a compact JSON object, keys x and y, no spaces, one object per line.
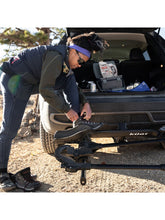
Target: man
{"x":47,"y":70}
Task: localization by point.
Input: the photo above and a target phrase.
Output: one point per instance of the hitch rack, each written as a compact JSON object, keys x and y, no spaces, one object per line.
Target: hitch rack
{"x":74,"y":159}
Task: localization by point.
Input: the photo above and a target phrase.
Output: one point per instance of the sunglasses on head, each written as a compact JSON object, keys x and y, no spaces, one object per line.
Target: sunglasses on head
{"x":80,"y":60}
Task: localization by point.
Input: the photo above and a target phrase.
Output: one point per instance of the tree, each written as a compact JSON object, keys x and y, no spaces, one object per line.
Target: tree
{"x":18,"y":39}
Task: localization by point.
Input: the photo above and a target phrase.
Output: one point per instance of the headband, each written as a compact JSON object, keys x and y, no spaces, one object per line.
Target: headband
{"x":81,"y":50}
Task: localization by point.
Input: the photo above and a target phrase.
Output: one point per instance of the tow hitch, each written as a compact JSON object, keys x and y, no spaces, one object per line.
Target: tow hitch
{"x":74,"y":159}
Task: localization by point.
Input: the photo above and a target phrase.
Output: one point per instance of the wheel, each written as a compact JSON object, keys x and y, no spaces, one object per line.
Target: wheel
{"x":47,"y":141}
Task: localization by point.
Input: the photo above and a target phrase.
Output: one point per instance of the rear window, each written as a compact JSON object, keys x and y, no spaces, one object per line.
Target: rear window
{"x":120,"y":45}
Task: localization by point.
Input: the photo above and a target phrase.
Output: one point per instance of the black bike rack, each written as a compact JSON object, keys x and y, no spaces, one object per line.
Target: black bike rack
{"x":74,"y":159}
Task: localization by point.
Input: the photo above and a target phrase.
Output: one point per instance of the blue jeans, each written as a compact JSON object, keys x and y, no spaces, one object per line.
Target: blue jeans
{"x":14,"y":104}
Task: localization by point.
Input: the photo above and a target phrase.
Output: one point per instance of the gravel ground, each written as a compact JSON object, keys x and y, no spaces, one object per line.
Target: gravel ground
{"x":28,"y":152}
{"x":55,"y":179}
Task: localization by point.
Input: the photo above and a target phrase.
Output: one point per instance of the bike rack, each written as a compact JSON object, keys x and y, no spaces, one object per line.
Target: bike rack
{"x":74,"y":159}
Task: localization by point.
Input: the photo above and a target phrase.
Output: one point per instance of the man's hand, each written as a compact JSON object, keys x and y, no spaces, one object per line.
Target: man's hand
{"x":86,"y":110}
{"x":72,"y":115}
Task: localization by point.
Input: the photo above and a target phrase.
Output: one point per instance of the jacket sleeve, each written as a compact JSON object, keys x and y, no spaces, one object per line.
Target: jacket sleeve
{"x":51,"y":69}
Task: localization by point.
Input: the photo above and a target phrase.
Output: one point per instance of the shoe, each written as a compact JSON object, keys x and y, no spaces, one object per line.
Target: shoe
{"x":81,"y":127}
{"x":71,"y":135}
{"x":6,"y":182}
{"x":34,"y":176}
{"x":92,"y":125}
{"x":23,"y":180}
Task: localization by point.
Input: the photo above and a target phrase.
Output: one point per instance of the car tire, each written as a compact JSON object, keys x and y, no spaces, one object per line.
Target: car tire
{"x":47,"y":141}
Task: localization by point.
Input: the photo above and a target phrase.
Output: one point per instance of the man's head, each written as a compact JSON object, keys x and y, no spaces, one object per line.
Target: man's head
{"x":76,"y":58}
{"x":81,"y":48}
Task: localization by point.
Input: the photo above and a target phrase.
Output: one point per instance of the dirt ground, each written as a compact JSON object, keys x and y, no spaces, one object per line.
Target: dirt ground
{"x":27,"y":152}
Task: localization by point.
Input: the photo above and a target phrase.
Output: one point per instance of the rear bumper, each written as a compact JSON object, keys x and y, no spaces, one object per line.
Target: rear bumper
{"x":118,"y":113}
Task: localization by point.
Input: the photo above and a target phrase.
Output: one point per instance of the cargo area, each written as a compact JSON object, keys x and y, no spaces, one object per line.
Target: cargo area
{"x":132,"y":73}
{"x":137,"y":55}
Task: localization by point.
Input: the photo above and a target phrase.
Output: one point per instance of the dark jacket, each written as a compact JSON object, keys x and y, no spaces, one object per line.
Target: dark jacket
{"x":28,"y":63}
{"x":42,"y":66}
